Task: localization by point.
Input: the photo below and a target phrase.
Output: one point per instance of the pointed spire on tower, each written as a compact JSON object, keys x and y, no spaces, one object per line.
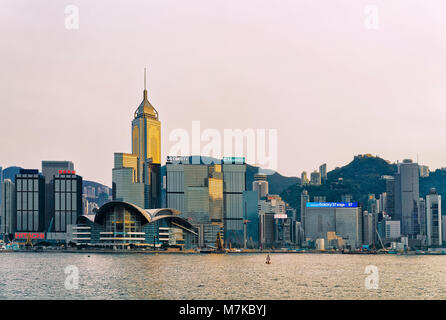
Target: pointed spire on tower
{"x":145,"y":87}
{"x":145,"y":108}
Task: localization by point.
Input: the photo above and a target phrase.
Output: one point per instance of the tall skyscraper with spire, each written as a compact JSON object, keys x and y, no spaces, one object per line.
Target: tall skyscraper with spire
{"x":137,"y":175}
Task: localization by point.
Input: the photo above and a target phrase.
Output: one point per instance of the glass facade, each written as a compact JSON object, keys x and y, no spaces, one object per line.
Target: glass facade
{"x":120,"y":224}
{"x":30,"y":201}
{"x":137,"y":176}
{"x":67,"y":200}
{"x":197,"y":190}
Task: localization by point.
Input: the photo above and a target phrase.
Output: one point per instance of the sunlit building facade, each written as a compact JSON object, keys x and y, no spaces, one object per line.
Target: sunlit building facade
{"x":137,"y":176}
{"x":124,"y":225}
{"x":196,"y":190}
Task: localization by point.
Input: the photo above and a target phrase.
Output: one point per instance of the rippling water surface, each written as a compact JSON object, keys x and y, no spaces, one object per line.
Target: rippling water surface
{"x":228,"y":276}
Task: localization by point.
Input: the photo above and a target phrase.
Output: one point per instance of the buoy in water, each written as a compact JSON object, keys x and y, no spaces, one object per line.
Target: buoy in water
{"x":268,"y":260}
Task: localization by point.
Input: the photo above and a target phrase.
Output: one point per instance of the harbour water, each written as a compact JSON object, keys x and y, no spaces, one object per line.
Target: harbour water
{"x":220,"y":276}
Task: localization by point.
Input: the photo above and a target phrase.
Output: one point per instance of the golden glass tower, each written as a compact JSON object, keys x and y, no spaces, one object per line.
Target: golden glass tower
{"x":146,"y":134}
{"x":137,"y":176}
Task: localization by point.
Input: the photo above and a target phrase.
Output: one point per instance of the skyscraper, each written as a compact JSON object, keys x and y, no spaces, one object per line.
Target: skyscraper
{"x":433,"y":218}
{"x":137,"y":176}
{"x":52,"y":168}
{"x":197,"y":191}
{"x":49,"y":170}
{"x":68,"y":199}
{"x":7,"y":209}
{"x":304,"y":198}
{"x":406,"y":197}
{"x":30,"y":201}
{"x":390,"y":197}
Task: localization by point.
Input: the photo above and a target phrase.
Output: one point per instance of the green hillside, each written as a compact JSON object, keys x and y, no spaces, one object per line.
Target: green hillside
{"x":359,"y":178}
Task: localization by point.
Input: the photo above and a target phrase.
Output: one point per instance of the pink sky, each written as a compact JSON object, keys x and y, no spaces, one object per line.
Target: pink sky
{"x":310,"y":69}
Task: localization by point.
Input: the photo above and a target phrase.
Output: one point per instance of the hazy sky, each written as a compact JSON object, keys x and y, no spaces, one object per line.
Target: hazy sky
{"x":310,"y":69}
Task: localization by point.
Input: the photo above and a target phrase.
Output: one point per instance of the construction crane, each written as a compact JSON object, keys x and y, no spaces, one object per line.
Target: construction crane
{"x":379,"y":237}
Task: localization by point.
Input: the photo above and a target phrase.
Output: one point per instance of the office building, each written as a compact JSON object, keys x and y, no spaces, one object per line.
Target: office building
{"x":67,"y":200}
{"x":406,"y":198}
{"x":390,"y":197}
{"x":392,"y":229}
{"x":209,"y":194}
{"x":433,"y":218}
{"x":7,"y":209}
{"x":137,"y":176}
{"x":30,"y":201}
{"x":49,"y":170}
{"x":251,"y":222}
{"x":422,"y":220}
{"x":52,"y":168}
{"x":341,"y":218}
{"x":276,"y":222}
{"x":369,"y":228}
{"x":260,"y":185}
{"x":323,"y":171}
{"x":234,"y":177}
{"x":304,"y":198}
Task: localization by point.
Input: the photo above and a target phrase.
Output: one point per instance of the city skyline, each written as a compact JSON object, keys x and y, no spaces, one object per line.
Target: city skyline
{"x":74,"y":91}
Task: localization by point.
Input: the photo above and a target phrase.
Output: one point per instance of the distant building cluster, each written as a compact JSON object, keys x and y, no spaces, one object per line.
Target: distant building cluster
{"x":398,"y":219}
{"x":197,"y":205}
{"x":316,"y":177}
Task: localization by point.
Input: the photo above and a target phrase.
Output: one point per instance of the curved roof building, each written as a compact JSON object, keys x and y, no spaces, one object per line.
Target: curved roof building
{"x":121,"y":224}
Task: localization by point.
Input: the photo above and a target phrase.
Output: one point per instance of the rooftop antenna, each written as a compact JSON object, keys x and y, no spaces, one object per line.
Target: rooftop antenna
{"x":145,"y":87}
